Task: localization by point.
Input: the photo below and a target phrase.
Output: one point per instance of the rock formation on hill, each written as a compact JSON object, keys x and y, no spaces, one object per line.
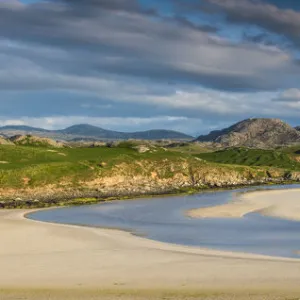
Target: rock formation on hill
{"x":254,"y":133}
{"x":5,"y":141}
{"x":30,"y":140}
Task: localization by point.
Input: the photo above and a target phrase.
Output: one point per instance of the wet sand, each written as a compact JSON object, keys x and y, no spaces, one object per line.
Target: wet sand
{"x":50,"y":261}
{"x":283,"y":204}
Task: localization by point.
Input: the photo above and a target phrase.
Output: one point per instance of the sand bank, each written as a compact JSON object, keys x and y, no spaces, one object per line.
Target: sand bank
{"x":36,"y":255}
{"x":277,"y":203}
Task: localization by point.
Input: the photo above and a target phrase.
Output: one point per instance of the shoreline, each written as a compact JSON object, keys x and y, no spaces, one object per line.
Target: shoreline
{"x":238,"y":195}
{"x":177,"y":247}
{"x":37,"y":255}
{"x":92,"y":197}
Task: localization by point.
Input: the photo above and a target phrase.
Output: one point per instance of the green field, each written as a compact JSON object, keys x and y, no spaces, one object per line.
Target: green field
{"x":37,"y":166}
{"x":41,"y":165}
{"x":87,"y":175}
{"x":284,"y":158}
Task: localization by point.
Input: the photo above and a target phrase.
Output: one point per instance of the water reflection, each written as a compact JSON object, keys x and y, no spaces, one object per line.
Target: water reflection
{"x":164,"y":219}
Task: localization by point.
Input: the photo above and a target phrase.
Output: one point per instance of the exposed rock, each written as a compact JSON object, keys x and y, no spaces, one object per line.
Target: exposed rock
{"x":102,"y":164}
{"x":254,"y":133}
{"x":29,"y":140}
{"x":142,"y":148}
{"x":295,"y":176}
{"x":5,"y":141}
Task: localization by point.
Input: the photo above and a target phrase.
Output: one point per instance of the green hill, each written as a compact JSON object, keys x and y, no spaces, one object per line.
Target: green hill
{"x":253,"y":157}
{"x":44,"y":176}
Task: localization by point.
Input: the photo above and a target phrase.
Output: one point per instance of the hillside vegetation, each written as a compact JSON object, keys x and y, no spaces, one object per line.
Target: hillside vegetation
{"x":46,"y":175}
{"x":42,"y":172}
{"x":254,"y":157}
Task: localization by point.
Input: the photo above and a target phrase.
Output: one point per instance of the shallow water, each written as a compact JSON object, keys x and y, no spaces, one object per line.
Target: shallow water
{"x":164,"y":219}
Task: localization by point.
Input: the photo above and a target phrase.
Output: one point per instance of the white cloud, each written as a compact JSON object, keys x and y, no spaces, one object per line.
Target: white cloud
{"x":85,"y":45}
{"x":290,"y":95}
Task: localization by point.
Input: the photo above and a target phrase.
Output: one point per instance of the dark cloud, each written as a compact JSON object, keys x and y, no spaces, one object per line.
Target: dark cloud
{"x":118,"y":37}
{"x":181,"y":20}
{"x":266,"y":39}
{"x":280,"y":21}
{"x":125,"y":5}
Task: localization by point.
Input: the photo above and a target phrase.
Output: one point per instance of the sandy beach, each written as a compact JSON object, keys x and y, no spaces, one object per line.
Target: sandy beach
{"x":50,"y":261}
{"x":283,"y":204}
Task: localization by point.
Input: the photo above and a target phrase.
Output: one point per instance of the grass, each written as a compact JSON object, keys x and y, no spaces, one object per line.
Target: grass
{"x":283,"y":159}
{"x":190,"y":148}
{"x":40,"y":165}
{"x":73,"y":176}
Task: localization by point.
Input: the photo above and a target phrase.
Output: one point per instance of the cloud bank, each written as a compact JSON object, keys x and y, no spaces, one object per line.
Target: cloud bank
{"x":119,"y":60}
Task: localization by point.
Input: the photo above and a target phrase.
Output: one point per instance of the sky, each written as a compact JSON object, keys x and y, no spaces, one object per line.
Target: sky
{"x":131,"y":65}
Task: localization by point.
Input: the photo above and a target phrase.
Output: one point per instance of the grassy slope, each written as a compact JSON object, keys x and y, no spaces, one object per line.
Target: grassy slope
{"x":191,"y":148}
{"x":284,"y":158}
{"x":38,"y":169}
{"x":46,"y":166}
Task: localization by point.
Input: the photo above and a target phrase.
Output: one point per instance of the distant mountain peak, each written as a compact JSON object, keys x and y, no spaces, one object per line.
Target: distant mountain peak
{"x":81,"y":126}
{"x":22,"y":128}
{"x":254,"y":132}
{"x":91,"y":131}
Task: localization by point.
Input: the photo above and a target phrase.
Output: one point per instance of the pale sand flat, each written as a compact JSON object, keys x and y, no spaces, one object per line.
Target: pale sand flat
{"x":119,"y":294}
{"x":277,"y":203}
{"x":35,"y":255}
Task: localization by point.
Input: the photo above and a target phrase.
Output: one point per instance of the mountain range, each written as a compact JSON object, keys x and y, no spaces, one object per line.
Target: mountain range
{"x":252,"y":133}
{"x":89,"y":132}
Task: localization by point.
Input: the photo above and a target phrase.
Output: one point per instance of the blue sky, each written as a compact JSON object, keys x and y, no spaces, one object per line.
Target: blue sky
{"x":187,"y":65}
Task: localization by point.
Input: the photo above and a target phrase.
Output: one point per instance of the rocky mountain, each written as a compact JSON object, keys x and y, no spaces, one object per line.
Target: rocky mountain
{"x":86,"y":131}
{"x":254,"y":133}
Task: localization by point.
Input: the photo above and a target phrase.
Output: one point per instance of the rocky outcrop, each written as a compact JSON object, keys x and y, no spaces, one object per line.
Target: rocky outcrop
{"x":254,"y":133}
{"x":30,"y":140}
{"x":5,"y":141}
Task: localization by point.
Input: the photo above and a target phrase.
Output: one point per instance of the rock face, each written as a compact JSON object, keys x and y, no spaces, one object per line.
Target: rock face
{"x":4,"y":141}
{"x":29,"y":140}
{"x":254,"y":133}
